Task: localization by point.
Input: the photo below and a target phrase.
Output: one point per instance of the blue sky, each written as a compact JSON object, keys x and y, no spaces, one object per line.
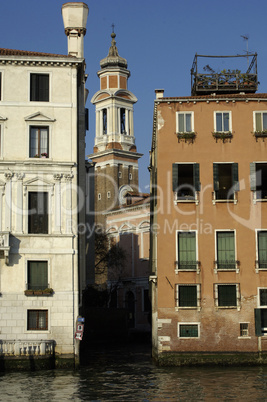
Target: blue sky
{"x":159,"y":39}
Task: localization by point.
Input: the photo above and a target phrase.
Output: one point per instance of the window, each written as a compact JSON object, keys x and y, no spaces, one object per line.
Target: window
{"x":99,"y":196}
{"x":130,"y":176}
{"x":184,"y":122}
{"x":37,"y":320}
{"x":225,"y":250}
{"x":225,"y":180}
{"x":261,"y":313}
{"x":37,"y":275}
{"x":0,"y":86}
{"x":258,"y":180}
{"x":185,"y":180}
{"x":108,"y":194}
{"x":39,"y":90}
{"x":227,"y":295}
{"x":105,"y":119}
{"x":260,"y":121}
{"x":188,"y":330}
{"x":262,"y":249}
{"x":122,"y":121}
{"x":186,"y":247}
{"x":38,"y":212}
{"x":222,"y":122}
{"x":243,"y":329}
{"x":39,"y":140}
{"x":187,"y":296}
{"x":119,"y":175}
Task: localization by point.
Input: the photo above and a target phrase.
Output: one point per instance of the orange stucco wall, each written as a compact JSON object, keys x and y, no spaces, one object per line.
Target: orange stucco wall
{"x":219,"y":328}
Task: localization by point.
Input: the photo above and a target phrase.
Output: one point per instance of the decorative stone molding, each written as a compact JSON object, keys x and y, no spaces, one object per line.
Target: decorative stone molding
{"x":9,"y":175}
{"x":20,"y":176}
{"x":57,"y":176}
{"x":68,"y":176}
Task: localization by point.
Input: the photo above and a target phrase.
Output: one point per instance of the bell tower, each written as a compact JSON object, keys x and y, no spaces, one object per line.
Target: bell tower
{"x":115,"y":155}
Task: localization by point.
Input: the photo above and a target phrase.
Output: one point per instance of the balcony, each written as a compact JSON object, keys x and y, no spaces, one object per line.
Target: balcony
{"x":4,"y":246}
{"x":206,"y":80}
{"x":26,"y":348}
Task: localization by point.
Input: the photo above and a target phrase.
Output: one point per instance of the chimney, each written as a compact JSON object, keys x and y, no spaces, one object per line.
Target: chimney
{"x":159,"y":93}
{"x":74,"y":18}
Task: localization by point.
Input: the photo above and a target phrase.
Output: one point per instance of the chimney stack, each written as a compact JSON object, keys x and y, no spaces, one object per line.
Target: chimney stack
{"x":74,"y":18}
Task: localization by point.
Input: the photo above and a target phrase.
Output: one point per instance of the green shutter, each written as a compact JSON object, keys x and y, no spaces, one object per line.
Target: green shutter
{"x":262,"y":249}
{"x":174,"y":177}
{"x":187,"y":296}
{"x":257,"y":315}
{"x":37,"y":275}
{"x":235,"y":181}
{"x":215,"y":176}
{"x":226,"y":250}
{"x":196,"y":176}
{"x":227,"y":295}
{"x":187,"y":250}
{"x":253,"y":181}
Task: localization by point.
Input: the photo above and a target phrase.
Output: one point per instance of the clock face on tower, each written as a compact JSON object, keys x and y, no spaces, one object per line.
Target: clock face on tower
{"x":122,"y":191}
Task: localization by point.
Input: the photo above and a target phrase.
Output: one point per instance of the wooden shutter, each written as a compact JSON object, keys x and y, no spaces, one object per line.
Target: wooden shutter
{"x":253,"y":181}
{"x":196,"y":176}
{"x":235,"y":181}
{"x":215,"y":176}
{"x":174,"y":177}
{"x":257,"y":315}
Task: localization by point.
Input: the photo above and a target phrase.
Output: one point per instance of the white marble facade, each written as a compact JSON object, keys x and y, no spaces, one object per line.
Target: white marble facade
{"x":36,"y":121}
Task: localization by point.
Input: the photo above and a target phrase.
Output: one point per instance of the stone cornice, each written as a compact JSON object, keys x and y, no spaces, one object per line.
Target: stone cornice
{"x":15,"y":61}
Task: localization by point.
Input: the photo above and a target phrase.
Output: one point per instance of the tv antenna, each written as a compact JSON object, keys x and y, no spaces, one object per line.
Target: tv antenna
{"x":246,"y":37}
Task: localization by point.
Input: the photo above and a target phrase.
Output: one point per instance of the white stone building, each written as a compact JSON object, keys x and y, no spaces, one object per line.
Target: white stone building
{"x":42,"y":178}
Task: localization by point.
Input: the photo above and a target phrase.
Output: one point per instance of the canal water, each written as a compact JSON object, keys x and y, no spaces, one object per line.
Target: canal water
{"x":127,"y":373}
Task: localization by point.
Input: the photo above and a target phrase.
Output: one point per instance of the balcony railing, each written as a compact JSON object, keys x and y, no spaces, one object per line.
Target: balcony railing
{"x":226,"y":265}
{"x":187,"y":266}
{"x":27,"y":348}
{"x":226,"y":81}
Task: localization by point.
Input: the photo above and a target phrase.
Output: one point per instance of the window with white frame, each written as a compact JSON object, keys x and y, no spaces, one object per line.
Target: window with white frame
{"x":258,"y":179}
{"x":37,"y":320}
{"x":184,"y":122}
{"x":99,"y":196}
{"x":244,"y":329}
{"x":185,"y":180}
{"x":39,"y":87}
{"x":0,"y":86}
{"x":188,"y":330}
{"x":222,"y":122}
{"x":260,"y":121}
{"x":108,"y":194}
{"x":261,"y":313}
{"x":39,"y":142}
{"x":261,"y":261}
{"x":225,"y":180}
{"x":227,"y":295}
{"x":225,"y":250}
{"x":37,"y":275}
{"x":186,"y":250}
{"x":187,"y":296}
